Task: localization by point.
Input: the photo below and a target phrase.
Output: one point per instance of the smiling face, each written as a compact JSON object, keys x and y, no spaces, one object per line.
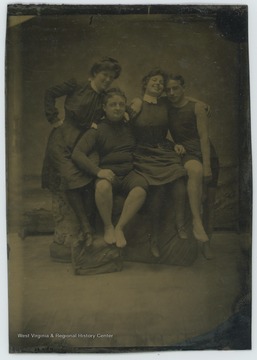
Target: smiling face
{"x":175,"y":91}
{"x":155,"y":86}
{"x":103,"y":79}
{"x":115,"y":108}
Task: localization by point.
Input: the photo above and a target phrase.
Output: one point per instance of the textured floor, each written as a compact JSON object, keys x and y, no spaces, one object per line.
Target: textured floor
{"x":144,"y":305}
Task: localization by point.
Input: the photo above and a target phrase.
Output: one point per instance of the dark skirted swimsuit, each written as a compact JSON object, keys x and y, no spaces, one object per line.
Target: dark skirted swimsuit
{"x":154,"y":157}
{"x":183,"y":128}
{"x":83,"y":106}
{"x":115,"y":144}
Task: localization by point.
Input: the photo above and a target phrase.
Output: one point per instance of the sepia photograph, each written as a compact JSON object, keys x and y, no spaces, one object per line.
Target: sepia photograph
{"x":129,"y":178}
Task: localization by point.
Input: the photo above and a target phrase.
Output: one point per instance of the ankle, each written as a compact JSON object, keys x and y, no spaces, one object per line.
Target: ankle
{"x":207,"y":250}
{"x":180,"y":224}
{"x":119,"y":227}
{"x":197,"y":221}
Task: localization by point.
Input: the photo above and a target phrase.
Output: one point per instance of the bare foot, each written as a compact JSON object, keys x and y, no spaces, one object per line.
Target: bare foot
{"x":155,"y":249}
{"x":207,"y":251}
{"x":199,"y":232}
{"x":109,"y":237}
{"x":120,"y":238}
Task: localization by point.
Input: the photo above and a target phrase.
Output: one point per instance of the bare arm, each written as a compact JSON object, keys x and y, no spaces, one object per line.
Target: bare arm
{"x":206,"y":106}
{"x":202,"y":127}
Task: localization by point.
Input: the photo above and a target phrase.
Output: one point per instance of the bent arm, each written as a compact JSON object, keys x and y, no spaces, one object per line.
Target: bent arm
{"x":134,"y":108}
{"x":81,"y":151}
{"x":202,"y":127}
{"x":52,"y":94}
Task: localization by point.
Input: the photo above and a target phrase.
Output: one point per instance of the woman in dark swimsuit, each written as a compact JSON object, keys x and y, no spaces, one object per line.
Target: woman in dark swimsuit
{"x":155,"y":157}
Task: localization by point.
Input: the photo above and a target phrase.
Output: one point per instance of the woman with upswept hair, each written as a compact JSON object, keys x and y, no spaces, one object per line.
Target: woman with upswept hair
{"x":155,"y":157}
{"x":83,"y":107}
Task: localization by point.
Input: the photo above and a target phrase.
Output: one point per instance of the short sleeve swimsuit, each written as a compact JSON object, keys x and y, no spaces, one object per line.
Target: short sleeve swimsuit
{"x":115,"y":144}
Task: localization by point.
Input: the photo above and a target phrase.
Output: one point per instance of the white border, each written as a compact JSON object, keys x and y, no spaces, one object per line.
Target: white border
{"x":196,"y":355}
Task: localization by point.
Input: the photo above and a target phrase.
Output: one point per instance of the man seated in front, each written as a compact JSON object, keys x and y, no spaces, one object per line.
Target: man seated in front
{"x":114,"y":141}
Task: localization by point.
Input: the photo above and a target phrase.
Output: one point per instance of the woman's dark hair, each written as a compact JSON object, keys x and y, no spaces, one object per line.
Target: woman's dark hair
{"x":112,"y":92}
{"x":177,"y":78}
{"x":106,"y":63}
{"x":154,"y":72}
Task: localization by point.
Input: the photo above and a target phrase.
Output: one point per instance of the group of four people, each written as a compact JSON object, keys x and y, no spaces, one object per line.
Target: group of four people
{"x":126,"y":148}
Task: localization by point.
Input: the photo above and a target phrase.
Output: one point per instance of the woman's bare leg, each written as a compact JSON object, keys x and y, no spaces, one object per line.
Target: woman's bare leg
{"x":179,"y":197}
{"x":208,"y":209}
{"x":155,"y":203}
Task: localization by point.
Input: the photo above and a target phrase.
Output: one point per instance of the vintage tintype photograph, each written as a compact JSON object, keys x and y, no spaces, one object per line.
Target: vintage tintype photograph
{"x":128,"y":178}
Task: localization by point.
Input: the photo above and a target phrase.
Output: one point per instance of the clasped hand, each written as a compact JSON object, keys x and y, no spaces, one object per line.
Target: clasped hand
{"x":179,"y":149}
{"x":106,"y":174}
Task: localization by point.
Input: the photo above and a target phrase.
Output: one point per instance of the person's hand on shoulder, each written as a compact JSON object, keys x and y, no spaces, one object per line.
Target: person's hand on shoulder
{"x":135,"y":107}
{"x":206,"y":107}
{"x":136,"y":104}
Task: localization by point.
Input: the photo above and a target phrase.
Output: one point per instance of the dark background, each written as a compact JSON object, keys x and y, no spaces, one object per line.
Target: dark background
{"x":209,"y":48}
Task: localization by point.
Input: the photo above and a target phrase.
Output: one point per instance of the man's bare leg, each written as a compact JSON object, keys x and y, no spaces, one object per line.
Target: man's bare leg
{"x":133,"y":203}
{"x":104,"y":203}
{"x":194,"y":187}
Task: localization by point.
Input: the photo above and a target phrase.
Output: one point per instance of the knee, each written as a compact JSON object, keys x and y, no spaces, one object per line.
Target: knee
{"x":195,"y":172}
{"x":103,"y":187}
{"x":140,"y":192}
